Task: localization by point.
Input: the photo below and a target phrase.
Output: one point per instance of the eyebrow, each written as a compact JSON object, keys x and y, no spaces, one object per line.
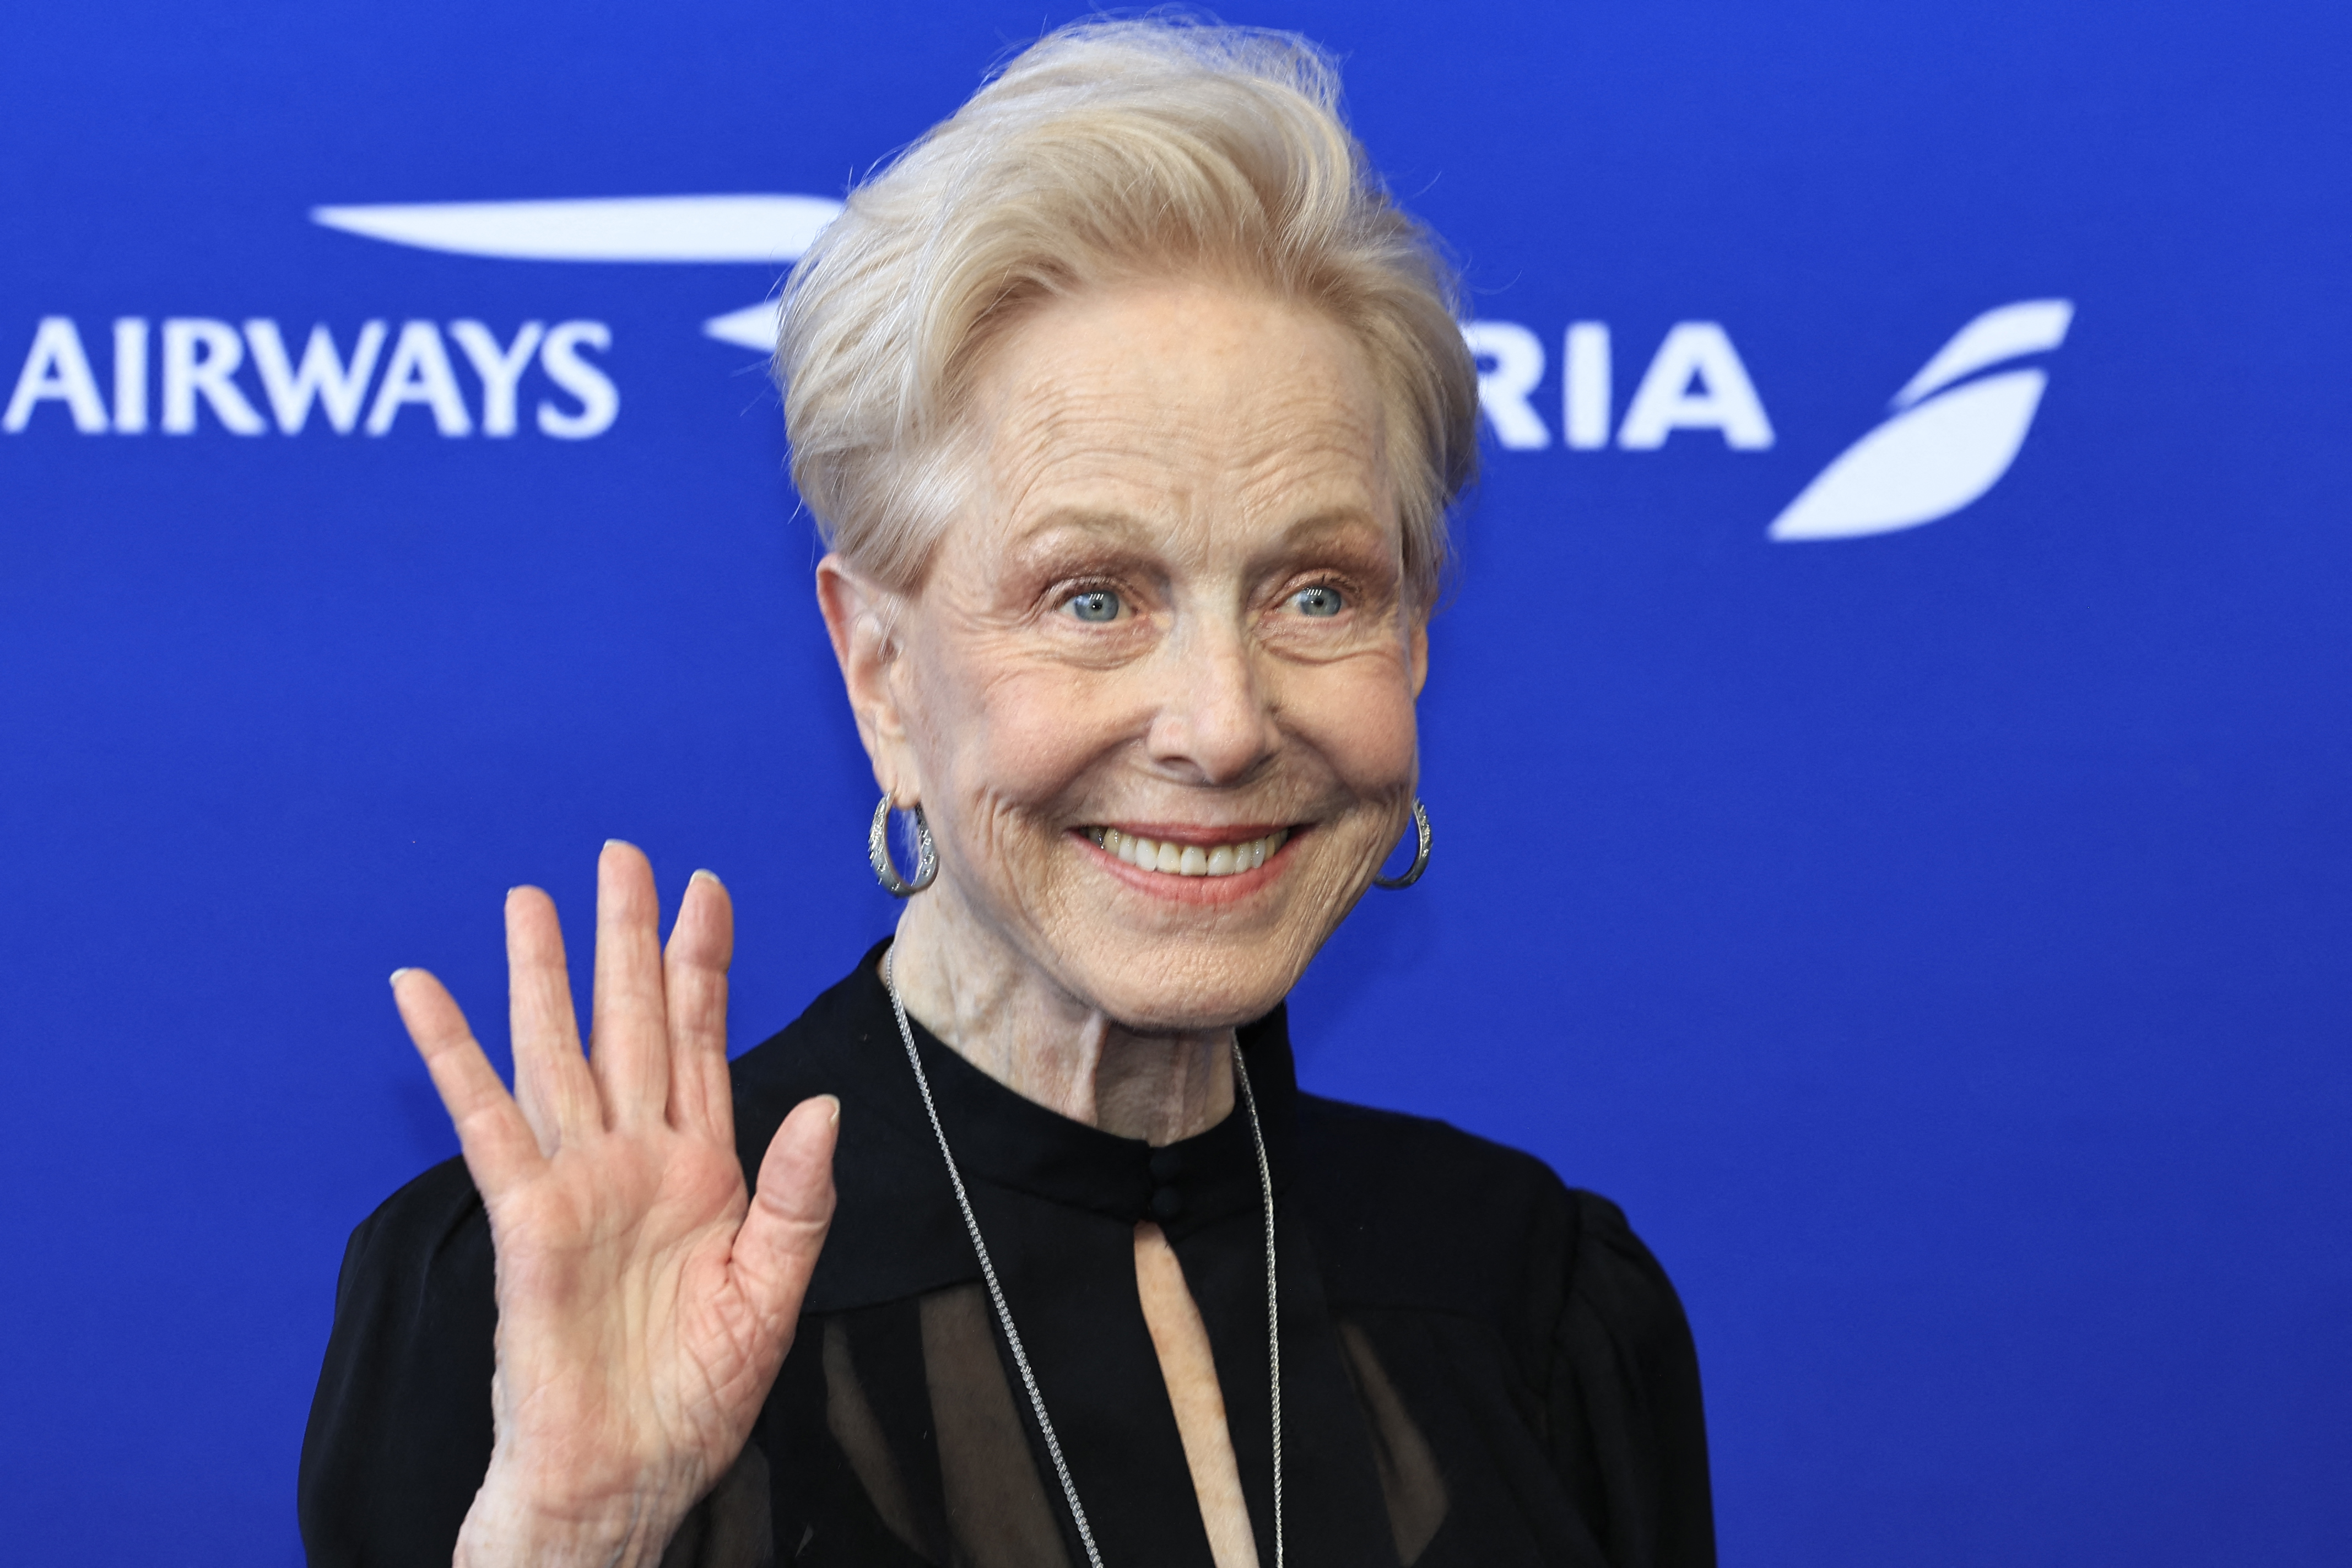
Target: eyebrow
{"x":1063,"y":528}
{"x":1331,"y":527}
{"x":1112,"y":524}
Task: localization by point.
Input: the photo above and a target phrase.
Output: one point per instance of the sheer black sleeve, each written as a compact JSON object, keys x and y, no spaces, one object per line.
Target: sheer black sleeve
{"x":1628,"y":1431}
{"x":400,"y":1429}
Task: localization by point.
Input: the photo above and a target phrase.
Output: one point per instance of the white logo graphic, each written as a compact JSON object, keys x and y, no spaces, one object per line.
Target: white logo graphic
{"x":202,"y":359}
{"x":1937,"y":455}
{"x":772,"y":228}
{"x":1694,"y":381}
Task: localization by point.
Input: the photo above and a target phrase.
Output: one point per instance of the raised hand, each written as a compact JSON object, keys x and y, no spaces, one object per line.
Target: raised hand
{"x":644,"y":1305}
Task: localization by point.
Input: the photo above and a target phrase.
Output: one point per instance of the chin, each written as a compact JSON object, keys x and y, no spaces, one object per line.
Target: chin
{"x":1183,"y":992}
{"x":1183,"y":962}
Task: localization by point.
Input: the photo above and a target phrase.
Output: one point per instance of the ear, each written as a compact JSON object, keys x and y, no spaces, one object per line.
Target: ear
{"x":1417,"y":650}
{"x":858,"y":617}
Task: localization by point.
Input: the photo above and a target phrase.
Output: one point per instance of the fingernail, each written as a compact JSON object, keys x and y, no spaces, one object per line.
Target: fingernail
{"x":834,"y":1120}
{"x":396,"y":974}
{"x":709,"y":877}
{"x":618,"y":843}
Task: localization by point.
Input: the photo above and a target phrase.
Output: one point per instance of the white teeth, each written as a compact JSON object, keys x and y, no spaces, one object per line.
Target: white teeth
{"x":1188,"y":859}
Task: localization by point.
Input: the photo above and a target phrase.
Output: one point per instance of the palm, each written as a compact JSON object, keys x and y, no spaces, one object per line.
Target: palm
{"x":645,"y":1303}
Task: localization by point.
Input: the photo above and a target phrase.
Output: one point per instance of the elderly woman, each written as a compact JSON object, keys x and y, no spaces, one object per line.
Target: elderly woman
{"x":1131,"y":408}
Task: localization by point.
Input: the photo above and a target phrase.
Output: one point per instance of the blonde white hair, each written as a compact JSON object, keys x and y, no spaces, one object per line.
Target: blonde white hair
{"x":1108,"y":151}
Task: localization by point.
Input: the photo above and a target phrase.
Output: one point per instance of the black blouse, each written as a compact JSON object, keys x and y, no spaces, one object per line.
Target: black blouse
{"x":1479,"y":1366}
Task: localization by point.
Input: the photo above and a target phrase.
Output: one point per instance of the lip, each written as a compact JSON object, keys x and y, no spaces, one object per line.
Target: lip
{"x":1175,"y":890}
{"x":1192,"y":835}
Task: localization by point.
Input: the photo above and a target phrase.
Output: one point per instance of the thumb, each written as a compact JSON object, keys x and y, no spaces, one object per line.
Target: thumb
{"x":776,"y":1249}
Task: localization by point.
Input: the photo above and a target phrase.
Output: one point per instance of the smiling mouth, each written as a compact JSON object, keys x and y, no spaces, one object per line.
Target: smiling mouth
{"x":1173,"y":860}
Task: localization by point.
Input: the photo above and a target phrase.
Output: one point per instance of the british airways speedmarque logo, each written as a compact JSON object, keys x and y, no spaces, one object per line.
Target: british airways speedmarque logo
{"x":1952,"y":433}
{"x":769,"y":228}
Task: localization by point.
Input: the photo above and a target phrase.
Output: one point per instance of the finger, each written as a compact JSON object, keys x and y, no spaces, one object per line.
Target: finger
{"x":776,"y":1249}
{"x":628,"y":1037}
{"x":551,"y":1078}
{"x":694,"y":971}
{"x":498,"y":1145}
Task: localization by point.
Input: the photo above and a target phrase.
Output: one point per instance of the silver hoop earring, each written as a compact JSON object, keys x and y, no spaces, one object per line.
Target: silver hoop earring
{"x":1420,"y":852}
{"x":878,"y":853}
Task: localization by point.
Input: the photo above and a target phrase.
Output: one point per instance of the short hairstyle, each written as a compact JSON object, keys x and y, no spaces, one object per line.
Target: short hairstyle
{"x":1108,"y":151}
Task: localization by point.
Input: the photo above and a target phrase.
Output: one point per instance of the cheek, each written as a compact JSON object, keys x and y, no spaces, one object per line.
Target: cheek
{"x":1016,"y":736}
{"x":1359,"y":715}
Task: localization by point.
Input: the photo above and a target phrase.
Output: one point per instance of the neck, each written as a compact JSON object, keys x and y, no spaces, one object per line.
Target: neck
{"x":1007,"y":1016}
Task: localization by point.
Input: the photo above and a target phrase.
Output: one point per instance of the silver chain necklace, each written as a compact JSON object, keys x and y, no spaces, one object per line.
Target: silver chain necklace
{"x":1004,"y":1314}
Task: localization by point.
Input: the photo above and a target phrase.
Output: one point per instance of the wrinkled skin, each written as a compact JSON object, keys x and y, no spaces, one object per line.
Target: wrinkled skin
{"x":1209,"y":460}
{"x":644,"y":1301}
{"x":1173,"y":604}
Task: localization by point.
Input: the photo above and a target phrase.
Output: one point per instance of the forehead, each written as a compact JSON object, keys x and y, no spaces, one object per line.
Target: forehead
{"x":1180,"y":406}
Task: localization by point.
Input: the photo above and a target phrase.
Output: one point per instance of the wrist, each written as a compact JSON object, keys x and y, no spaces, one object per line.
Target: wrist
{"x":513,"y":1524}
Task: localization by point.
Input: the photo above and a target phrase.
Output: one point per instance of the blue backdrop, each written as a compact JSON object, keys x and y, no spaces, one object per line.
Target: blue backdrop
{"x":1936,"y":936}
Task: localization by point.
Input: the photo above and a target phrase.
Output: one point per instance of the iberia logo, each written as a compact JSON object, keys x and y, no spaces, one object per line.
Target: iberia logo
{"x":1951,"y":438}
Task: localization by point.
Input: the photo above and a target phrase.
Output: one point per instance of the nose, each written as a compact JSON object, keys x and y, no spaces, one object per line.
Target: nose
{"x":1216,"y":723}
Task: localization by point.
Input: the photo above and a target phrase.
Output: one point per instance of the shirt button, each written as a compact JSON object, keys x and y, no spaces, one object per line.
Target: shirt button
{"x":1166,"y":1203}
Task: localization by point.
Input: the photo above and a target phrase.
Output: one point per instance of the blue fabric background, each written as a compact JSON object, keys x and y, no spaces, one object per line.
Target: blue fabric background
{"x":1938,"y":942}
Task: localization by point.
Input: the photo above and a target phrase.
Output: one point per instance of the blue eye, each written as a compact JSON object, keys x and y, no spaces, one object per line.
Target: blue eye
{"x":1097,"y":605}
{"x":1320,"y":600}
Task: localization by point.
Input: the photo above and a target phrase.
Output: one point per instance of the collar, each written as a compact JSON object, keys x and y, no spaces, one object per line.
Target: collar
{"x":1006,"y":1140}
